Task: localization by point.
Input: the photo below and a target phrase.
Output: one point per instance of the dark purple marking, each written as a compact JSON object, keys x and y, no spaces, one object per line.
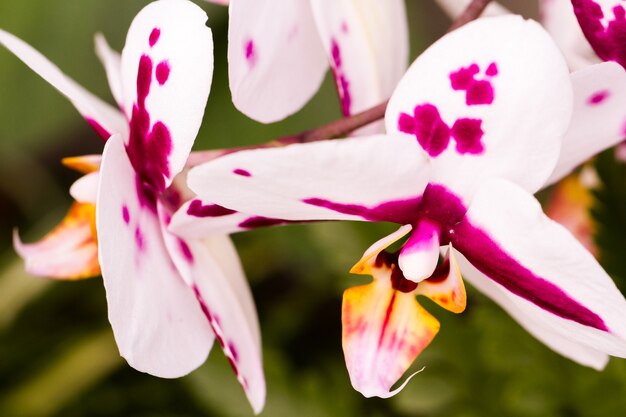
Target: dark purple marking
{"x":242,"y":172}
{"x":485,"y":254}
{"x":140,"y":241}
{"x":233,"y":351}
{"x":441,"y":272}
{"x":477,"y":92}
{"x":397,"y":211}
{"x":197,"y":209}
{"x":154,"y":36}
{"x":185,"y":250}
{"x":598,"y":97}
{"x":163,"y":72}
{"x":125,"y":214}
{"x":148,"y":147}
{"x":431,"y":132}
{"x":398,"y":281}
{"x":97,"y":127}
{"x":467,"y":134}
{"x":260,"y":221}
{"x":608,"y":42}
{"x":341,"y":81}
{"x":215,"y":326}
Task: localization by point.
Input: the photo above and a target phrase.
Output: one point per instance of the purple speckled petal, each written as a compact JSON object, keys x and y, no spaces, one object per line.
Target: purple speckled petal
{"x":167,"y":59}
{"x":158,"y":325}
{"x":273,"y":70}
{"x":506,"y":236}
{"x":599,"y":119}
{"x":105,"y":119}
{"x":376,"y":178}
{"x":367,"y":46}
{"x":491,"y":99}
{"x":212,"y":268}
{"x":197,"y":220}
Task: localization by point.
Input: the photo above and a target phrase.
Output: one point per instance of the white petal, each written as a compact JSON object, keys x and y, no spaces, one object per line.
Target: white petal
{"x":599,"y":116}
{"x":454,"y":8}
{"x":376,"y":178}
{"x":491,"y":99}
{"x":273,"y":69}
{"x":112,"y":62}
{"x":367,"y":46}
{"x":508,"y":238}
{"x":558,"y":17}
{"x":213,"y":271}
{"x":538,"y":322}
{"x":157,"y":322}
{"x":105,"y":119}
{"x":167,"y":66}
{"x":85,"y":189}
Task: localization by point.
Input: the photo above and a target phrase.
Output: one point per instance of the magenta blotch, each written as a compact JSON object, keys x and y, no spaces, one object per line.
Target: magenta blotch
{"x":598,"y":97}
{"x":467,"y":134}
{"x":607,"y":42}
{"x":431,"y":132}
{"x":125,"y":214}
{"x":154,"y":36}
{"x":140,"y":241}
{"x":242,"y":172}
{"x":477,"y":92}
{"x":163,"y":72}
{"x":185,"y":250}
{"x":398,"y":211}
{"x":97,"y":127}
{"x":197,"y":209}
{"x":341,"y":81}
{"x":148,"y":147}
{"x":250,"y":52}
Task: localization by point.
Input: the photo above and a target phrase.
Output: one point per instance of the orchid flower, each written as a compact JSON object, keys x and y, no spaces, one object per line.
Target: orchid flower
{"x":481,"y":120}
{"x":168,"y":297}
{"x":274,"y":69}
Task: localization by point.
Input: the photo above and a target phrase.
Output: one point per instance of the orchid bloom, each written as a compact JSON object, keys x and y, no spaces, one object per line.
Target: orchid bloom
{"x":274,"y":69}
{"x":168,"y":297}
{"x":481,"y":120}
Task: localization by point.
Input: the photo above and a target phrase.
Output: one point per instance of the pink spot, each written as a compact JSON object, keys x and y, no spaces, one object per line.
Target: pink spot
{"x":163,"y":72}
{"x":341,"y":81}
{"x":139,"y":238}
{"x":242,"y":172}
{"x":154,"y":36}
{"x":344,"y":27}
{"x":431,"y":132}
{"x":492,"y":70}
{"x":97,"y":127}
{"x":185,"y":250}
{"x":468,"y":134}
{"x":250,"y":52}
{"x":125,"y":214}
{"x":477,"y":92}
{"x":598,"y":97}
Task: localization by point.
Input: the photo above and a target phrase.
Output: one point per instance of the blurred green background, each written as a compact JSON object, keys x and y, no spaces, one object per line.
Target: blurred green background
{"x":57,"y":355}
